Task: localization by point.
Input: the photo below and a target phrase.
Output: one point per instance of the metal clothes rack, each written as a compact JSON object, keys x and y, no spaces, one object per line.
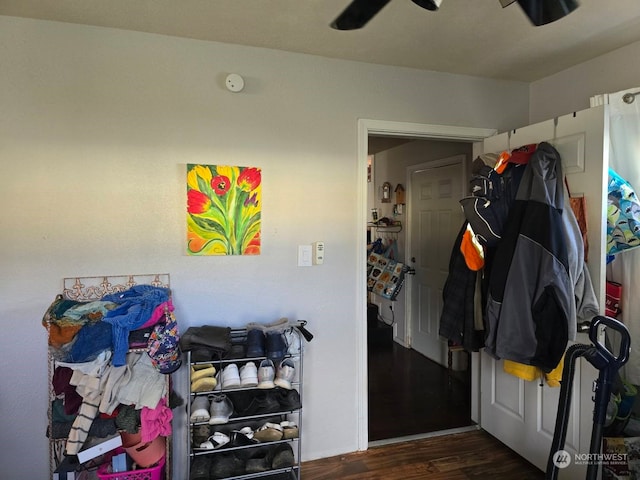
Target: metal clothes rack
{"x":87,"y":289}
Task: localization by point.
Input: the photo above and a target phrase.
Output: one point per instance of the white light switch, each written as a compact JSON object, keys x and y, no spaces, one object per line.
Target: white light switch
{"x":304,"y":255}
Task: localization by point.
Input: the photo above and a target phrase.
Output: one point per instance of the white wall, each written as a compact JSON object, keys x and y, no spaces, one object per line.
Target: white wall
{"x":95,"y":131}
{"x":569,"y":91}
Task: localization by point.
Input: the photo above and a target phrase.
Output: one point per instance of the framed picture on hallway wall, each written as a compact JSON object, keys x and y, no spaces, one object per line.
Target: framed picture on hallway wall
{"x":224,"y":207}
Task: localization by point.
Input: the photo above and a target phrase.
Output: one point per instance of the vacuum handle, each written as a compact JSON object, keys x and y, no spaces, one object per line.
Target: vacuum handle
{"x":625,"y":340}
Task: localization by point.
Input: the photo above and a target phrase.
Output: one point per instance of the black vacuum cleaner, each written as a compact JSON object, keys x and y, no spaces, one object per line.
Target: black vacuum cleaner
{"x":608,"y":365}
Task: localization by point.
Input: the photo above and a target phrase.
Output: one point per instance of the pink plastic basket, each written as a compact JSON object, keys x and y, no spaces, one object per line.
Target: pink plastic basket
{"x":152,"y":473}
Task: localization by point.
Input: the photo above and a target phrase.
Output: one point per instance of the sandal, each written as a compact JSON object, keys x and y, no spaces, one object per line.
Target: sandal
{"x":289,"y":429}
{"x":214,"y":442}
{"x":269,"y":432}
{"x":242,"y":437}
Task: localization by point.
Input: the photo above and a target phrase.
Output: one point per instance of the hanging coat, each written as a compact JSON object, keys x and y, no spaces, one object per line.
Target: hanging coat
{"x":530,"y":301}
{"x":457,"y":322}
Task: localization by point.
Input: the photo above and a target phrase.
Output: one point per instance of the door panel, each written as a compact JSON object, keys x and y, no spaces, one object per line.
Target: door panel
{"x":436,"y":215}
{"x":522,"y":414}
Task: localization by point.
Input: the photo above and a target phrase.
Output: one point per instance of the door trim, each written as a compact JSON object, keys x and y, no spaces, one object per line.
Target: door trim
{"x":368,"y":127}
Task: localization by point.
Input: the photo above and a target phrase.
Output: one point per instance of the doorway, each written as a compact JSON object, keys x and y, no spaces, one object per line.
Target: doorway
{"x":443,"y":135}
{"x":410,"y":375}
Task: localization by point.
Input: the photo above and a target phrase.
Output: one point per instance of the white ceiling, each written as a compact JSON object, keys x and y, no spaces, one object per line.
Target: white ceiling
{"x":472,"y":37}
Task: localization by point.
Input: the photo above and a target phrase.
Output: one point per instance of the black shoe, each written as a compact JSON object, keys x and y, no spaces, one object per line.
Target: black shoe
{"x":282,"y":456}
{"x":287,"y":399}
{"x":200,"y":468}
{"x":256,"y":403}
{"x":259,"y":460}
{"x":226,"y":465}
{"x":237,"y":351}
{"x":276,"y":346}
{"x":255,"y":343}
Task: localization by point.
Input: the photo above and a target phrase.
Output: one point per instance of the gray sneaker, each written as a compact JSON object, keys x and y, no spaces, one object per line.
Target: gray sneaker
{"x":286,"y":373}
{"x":266,"y":374}
{"x":221,"y":409}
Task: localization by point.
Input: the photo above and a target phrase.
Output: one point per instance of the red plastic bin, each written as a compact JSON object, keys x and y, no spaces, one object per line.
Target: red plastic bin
{"x":152,"y":473}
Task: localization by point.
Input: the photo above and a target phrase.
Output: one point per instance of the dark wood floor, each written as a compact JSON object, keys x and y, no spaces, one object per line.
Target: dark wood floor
{"x":474,"y":455}
{"x":410,"y":394}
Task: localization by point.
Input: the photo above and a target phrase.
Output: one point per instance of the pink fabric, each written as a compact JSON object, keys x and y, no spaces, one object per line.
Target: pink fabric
{"x":157,"y":314}
{"x":155,"y":422}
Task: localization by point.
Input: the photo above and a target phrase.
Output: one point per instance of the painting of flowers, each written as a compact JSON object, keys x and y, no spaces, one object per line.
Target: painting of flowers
{"x":223,"y":210}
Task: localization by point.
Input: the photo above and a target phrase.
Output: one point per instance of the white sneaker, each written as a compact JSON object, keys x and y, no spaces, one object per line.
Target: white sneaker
{"x":286,"y":373}
{"x":266,"y":373}
{"x":249,"y":375}
{"x":230,"y":376}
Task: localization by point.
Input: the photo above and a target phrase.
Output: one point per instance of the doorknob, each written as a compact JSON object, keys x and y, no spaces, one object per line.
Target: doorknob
{"x":413,"y":259}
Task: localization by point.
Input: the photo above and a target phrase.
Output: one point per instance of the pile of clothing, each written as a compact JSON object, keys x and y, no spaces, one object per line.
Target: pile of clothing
{"x":111,"y":358}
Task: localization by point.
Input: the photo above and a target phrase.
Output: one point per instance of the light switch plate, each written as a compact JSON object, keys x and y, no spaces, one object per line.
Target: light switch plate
{"x":304,"y":255}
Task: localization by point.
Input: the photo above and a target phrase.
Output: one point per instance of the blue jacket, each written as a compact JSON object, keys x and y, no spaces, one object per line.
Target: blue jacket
{"x":135,"y":307}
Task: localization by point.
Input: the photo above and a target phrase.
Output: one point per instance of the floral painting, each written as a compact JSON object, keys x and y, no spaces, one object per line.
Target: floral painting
{"x":223,"y":210}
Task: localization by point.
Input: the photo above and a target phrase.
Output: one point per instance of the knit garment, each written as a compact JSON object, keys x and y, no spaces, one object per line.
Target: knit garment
{"x":116,"y":378}
{"x":59,"y":335}
{"x":86,"y":378}
{"x":100,"y":427}
{"x":135,"y":307}
{"x":64,"y":318}
{"x":95,"y":367}
{"x":61,"y":386}
{"x":58,"y":414}
{"x":90,"y":390}
{"x":146,"y":386}
{"x":155,"y":422}
{"x":128,"y":419}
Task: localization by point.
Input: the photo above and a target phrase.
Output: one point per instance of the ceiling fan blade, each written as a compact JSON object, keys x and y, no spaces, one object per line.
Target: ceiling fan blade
{"x":428,"y":4}
{"x":357,"y":14}
{"x":541,"y":12}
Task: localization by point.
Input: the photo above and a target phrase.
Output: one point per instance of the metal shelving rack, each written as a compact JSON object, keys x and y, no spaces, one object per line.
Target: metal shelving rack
{"x":294,"y":472}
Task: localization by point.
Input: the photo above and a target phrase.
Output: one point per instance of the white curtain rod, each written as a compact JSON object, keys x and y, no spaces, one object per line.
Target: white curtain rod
{"x":629,"y":97}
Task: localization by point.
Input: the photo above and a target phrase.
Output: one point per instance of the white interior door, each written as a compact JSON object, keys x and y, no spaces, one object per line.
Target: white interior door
{"x":522,"y":414}
{"x":436,"y":218}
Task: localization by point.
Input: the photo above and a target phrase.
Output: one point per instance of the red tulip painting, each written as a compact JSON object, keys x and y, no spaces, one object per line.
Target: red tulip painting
{"x":223,"y":210}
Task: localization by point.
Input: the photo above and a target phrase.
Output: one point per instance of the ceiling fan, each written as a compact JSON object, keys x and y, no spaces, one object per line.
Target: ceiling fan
{"x":540,"y":12}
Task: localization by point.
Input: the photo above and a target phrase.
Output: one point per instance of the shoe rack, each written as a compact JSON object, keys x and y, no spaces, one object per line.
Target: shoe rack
{"x":262,"y":436}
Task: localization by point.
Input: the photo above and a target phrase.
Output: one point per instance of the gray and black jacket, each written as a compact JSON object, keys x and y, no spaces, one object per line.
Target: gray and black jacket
{"x":531,"y":295}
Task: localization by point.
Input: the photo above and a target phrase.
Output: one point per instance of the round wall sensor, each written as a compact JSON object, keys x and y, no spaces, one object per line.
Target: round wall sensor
{"x":235,"y":82}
